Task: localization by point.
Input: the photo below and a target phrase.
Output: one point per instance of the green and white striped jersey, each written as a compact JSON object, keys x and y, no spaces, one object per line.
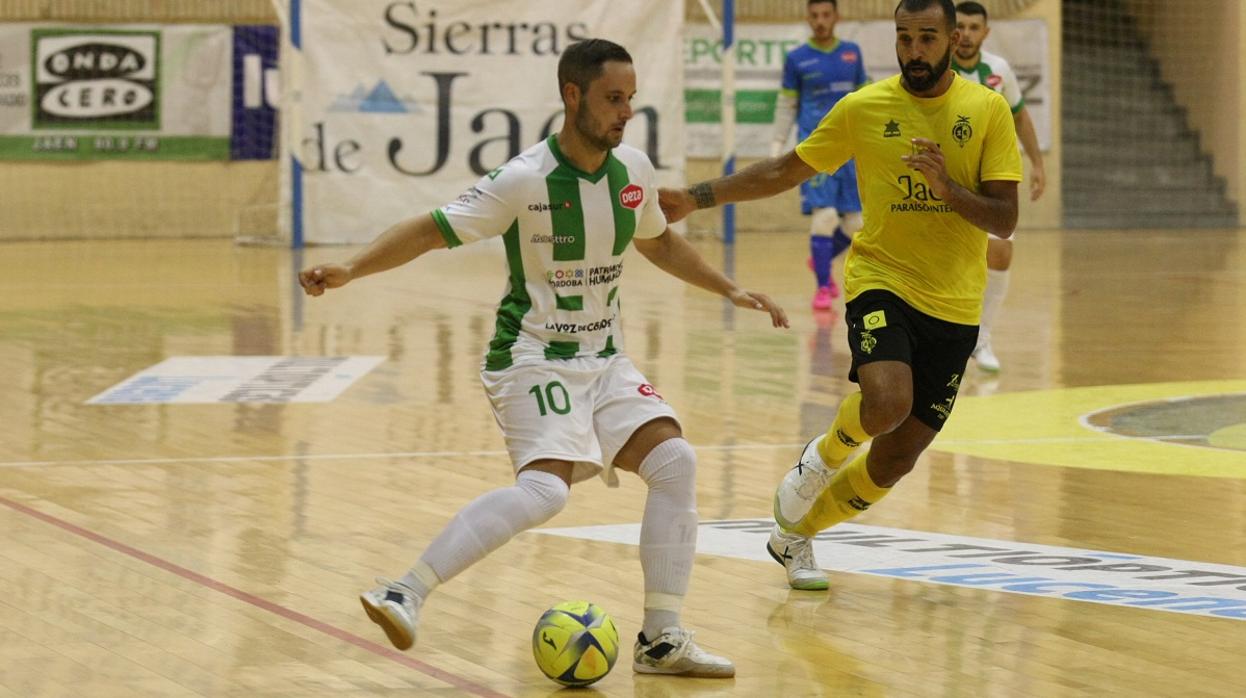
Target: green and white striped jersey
{"x":565,"y":231}
{"x":994,"y":72}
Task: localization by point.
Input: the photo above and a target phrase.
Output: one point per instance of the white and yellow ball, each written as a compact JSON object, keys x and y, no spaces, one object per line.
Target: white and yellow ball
{"x":575,"y":643}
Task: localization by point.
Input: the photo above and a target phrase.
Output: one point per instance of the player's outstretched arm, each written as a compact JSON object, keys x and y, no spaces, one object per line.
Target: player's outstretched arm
{"x":672,"y":254}
{"x":994,"y":210}
{"x":1029,"y":139}
{"x":398,"y":245}
{"x":757,"y":181}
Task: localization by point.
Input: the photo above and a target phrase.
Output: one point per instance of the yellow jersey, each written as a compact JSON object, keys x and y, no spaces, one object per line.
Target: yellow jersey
{"x":913,"y":244}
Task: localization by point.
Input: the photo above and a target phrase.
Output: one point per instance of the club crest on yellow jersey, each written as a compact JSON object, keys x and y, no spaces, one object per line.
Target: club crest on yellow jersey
{"x":961,"y":130}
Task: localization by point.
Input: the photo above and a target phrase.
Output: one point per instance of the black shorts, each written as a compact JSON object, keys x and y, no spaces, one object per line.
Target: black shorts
{"x":882,"y":327}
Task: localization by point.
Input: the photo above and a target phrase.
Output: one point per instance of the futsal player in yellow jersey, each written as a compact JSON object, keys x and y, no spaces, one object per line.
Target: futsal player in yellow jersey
{"x":937,"y":168}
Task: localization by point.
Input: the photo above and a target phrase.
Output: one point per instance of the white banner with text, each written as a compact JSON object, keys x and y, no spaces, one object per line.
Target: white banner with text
{"x":85,"y":92}
{"x":398,"y":107}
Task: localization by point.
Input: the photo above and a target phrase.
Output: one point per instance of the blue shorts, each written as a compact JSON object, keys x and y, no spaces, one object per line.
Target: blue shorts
{"x":837,"y":191}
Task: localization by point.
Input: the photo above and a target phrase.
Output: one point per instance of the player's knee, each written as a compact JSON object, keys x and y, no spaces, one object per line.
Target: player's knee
{"x":825,"y":221}
{"x":671,"y":464}
{"x":881,"y":414}
{"x":547,"y":494}
{"x":887,"y":469}
{"x":852,"y":223}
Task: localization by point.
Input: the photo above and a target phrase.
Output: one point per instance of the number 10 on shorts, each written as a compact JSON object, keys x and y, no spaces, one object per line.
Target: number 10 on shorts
{"x":555,"y":398}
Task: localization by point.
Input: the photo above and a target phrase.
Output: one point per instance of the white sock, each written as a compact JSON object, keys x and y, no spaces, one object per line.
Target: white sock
{"x":421,"y":579}
{"x":668,"y":532}
{"x":992,"y":301}
{"x":485,"y":524}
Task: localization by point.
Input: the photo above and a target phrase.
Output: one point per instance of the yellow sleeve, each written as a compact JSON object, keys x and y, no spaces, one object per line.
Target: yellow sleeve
{"x":829,"y":146}
{"x":1001,"y":160}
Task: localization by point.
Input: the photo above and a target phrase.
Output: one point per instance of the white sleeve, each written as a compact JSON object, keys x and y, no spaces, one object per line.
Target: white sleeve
{"x":1012,"y":88}
{"x":784,"y":118}
{"x":650,"y":221}
{"x":485,"y":210}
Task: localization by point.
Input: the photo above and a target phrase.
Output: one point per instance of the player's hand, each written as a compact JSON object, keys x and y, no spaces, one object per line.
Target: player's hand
{"x":759,"y":301}
{"x":927,"y":158}
{"x":324,"y":276}
{"x":676,"y":204}
{"x":1038,"y":182}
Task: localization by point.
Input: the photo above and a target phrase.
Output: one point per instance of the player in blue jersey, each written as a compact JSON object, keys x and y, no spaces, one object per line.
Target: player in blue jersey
{"x":815,"y":76}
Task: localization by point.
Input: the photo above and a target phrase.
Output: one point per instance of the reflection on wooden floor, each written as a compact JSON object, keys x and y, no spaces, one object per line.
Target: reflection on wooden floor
{"x":217,"y":549}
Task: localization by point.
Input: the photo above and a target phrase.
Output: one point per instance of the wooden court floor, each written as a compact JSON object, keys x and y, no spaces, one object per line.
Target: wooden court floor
{"x":217,"y":549}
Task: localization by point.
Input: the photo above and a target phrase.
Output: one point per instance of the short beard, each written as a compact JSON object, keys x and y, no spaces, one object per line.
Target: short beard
{"x":932,"y":76}
{"x":584,"y":125}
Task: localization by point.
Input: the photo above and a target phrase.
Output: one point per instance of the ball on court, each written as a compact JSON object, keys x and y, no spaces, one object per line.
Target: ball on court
{"x":575,"y":643}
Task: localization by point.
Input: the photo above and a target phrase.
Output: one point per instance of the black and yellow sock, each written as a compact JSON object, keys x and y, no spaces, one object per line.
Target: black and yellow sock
{"x":845,"y":434}
{"x":850,"y":492}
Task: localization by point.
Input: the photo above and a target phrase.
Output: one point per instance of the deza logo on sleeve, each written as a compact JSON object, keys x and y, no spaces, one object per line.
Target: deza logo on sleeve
{"x":632,"y":196}
{"x":96,"y":78}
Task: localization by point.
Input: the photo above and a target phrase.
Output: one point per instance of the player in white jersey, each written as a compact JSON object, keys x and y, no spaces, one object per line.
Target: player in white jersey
{"x":569,"y":404}
{"x":971,"y":62}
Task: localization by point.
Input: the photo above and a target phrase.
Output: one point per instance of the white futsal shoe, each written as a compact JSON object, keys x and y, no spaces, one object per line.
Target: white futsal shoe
{"x":673,"y":653}
{"x":984,"y":355}
{"x":793,"y":499}
{"x":801,"y":486}
{"x":396,"y":608}
{"x":795,"y":553}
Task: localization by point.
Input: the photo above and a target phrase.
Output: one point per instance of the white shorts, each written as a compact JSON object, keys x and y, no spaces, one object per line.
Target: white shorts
{"x":580,"y":410}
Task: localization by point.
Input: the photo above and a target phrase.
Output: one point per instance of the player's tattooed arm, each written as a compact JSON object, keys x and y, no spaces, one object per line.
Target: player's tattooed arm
{"x":757,"y":181}
{"x":703,"y":194}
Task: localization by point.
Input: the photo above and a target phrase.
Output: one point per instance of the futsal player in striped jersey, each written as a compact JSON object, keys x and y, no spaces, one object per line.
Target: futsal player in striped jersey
{"x":570,"y":404}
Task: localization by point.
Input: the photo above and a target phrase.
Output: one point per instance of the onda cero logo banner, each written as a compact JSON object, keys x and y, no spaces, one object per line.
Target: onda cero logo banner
{"x":100,"y":79}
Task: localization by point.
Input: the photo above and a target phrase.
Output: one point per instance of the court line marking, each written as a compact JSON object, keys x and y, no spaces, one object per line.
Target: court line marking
{"x":464,"y":454}
{"x":261,"y":603}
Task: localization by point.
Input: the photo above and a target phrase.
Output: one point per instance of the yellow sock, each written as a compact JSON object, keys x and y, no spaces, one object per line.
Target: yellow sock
{"x":845,"y":434}
{"x":850,"y":492}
